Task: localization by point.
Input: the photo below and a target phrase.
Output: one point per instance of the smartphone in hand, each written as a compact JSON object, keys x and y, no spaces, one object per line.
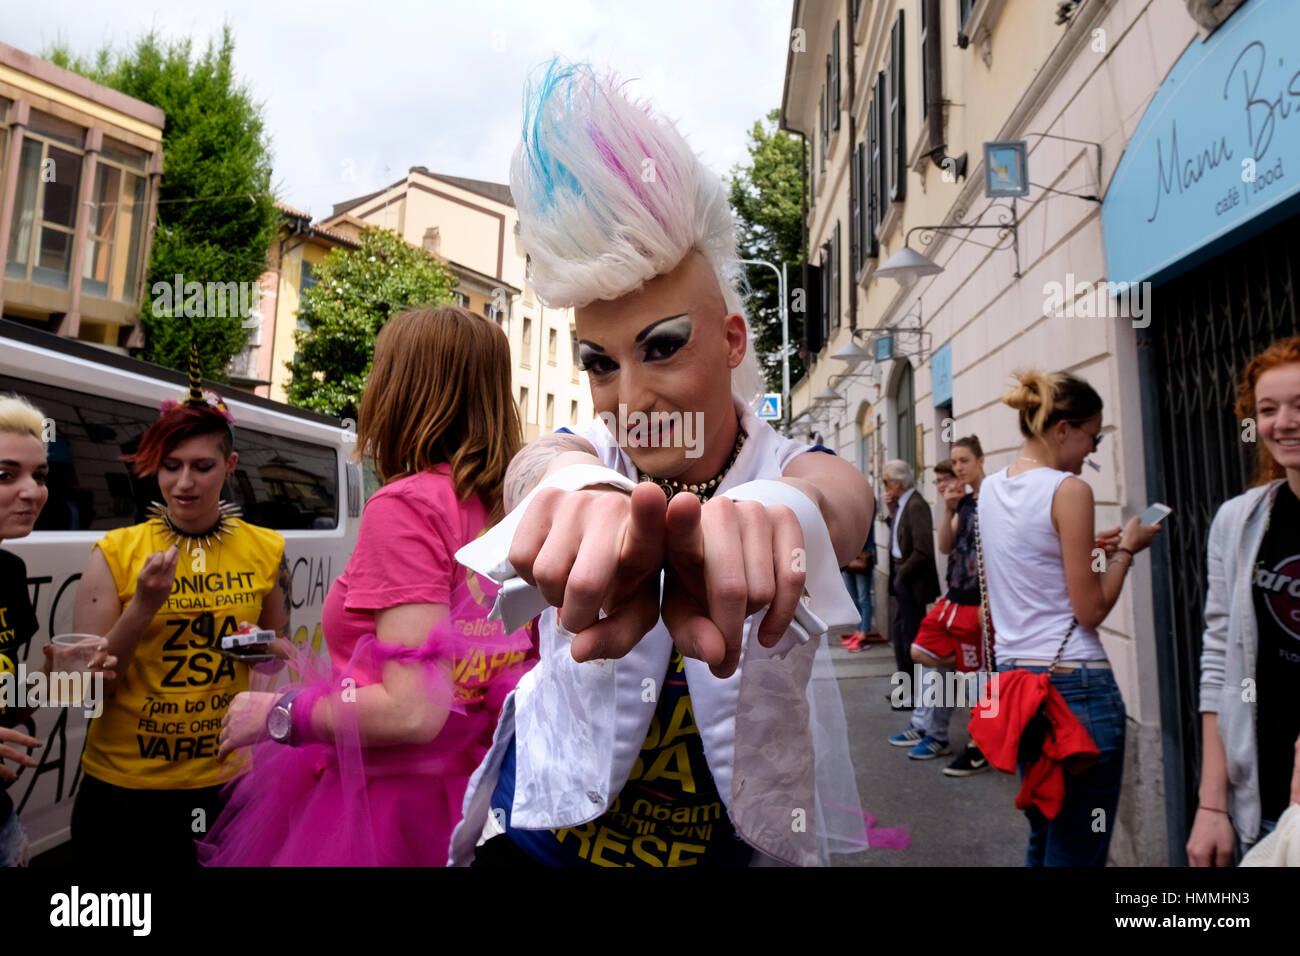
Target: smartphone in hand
{"x":1154,"y":514}
{"x":248,"y":645}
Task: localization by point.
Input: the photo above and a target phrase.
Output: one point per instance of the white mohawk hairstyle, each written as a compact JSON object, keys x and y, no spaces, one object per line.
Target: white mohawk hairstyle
{"x":610,"y":195}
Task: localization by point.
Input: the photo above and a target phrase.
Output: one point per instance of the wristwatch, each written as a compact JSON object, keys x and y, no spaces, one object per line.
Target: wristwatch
{"x":279,"y":722}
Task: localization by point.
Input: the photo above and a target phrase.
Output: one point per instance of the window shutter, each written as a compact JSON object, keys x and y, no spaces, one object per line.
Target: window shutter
{"x":880,"y":152}
{"x":837,"y":310}
{"x":855,"y":188}
{"x":825,"y":138}
{"x":835,"y":76}
{"x":826,"y":134}
{"x":828,"y":292}
{"x":812,"y":310}
{"x":897,"y":115}
{"x":925,"y":78}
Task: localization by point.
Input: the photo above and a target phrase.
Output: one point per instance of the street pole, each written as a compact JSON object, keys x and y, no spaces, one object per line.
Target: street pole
{"x":785,"y":337}
{"x":785,"y":353}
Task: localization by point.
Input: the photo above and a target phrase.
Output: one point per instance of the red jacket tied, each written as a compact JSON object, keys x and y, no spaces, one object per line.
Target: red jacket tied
{"x":1008,"y":713}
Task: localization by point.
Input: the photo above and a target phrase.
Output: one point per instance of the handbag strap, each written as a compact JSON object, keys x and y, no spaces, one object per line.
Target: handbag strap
{"x":989,"y":664}
{"x":985,"y":628}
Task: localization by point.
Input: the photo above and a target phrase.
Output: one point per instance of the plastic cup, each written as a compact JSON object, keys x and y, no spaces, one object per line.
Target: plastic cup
{"x":72,"y":656}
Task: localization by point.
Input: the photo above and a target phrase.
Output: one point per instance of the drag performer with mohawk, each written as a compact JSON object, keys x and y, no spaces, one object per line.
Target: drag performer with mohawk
{"x":683,"y":711}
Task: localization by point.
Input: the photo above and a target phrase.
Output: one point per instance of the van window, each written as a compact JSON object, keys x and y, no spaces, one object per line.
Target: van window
{"x":280,"y":482}
{"x":284,"y":483}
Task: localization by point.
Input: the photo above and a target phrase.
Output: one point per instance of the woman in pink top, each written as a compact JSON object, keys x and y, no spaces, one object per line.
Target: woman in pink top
{"x":366,"y":762}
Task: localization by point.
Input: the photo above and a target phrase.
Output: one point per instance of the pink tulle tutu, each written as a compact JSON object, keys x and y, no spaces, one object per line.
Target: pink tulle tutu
{"x":341,"y":804}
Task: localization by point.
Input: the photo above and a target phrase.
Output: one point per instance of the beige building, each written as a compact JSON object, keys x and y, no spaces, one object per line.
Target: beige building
{"x":262,"y":367}
{"x":79,"y":172}
{"x":473,"y":227}
{"x":897,"y":99}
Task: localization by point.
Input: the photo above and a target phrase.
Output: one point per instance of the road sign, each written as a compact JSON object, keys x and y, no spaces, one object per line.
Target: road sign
{"x":770,"y":410}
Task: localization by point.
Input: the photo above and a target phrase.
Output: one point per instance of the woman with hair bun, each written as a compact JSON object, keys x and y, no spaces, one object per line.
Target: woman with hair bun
{"x":164,"y":592}
{"x":1036,"y":534}
{"x":1250,"y":757}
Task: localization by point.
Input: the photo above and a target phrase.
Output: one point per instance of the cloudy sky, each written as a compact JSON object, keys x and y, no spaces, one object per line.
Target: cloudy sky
{"x":356,"y":93}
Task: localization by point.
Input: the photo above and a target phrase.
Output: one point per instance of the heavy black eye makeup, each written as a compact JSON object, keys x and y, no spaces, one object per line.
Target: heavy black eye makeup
{"x":658,"y":341}
{"x":592,"y":358}
{"x":666,"y":337}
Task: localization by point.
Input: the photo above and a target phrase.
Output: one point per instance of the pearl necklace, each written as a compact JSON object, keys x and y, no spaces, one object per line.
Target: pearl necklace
{"x":702,"y":490}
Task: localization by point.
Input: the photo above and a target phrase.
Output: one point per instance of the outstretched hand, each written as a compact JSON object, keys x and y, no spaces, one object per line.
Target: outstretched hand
{"x":594,"y":551}
{"x":726,"y":560}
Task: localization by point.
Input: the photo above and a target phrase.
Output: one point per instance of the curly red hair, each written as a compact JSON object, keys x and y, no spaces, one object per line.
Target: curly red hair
{"x":177,"y":424}
{"x":1281,"y":352}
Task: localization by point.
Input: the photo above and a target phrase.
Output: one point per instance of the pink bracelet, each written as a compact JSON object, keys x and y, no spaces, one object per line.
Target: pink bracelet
{"x":301,"y":711}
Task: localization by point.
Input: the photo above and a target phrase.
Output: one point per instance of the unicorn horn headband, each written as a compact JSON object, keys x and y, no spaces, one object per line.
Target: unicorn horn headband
{"x":196,"y":397}
{"x":196,"y":378}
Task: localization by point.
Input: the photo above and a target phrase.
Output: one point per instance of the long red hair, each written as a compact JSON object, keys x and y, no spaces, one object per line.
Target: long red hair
{"x":1281,"y":352}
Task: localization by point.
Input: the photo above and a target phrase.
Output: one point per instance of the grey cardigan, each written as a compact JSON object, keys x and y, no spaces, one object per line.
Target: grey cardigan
{"x":1229,"y":645}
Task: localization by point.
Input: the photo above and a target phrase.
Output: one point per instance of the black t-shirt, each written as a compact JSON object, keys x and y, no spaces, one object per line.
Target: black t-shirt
{"x":963,"y":563}
{"x":17,"y":625}
{"x":1276,"y":588}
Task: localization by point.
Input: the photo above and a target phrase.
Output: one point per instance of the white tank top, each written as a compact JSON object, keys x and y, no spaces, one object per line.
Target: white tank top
{"x":1028,"y":600}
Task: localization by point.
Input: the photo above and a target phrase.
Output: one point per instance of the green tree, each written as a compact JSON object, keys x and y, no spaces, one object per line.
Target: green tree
{"x":766,"y":194}
{"x":216,"y":216}
{"x":355,"y":293}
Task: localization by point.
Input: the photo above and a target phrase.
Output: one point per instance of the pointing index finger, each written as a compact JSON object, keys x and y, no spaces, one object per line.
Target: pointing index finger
{"x":684,"y":544}
{"x":643,"y":539}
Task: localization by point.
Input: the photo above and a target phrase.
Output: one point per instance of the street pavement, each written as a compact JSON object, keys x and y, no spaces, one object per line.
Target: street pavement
{"x":952,"y":821}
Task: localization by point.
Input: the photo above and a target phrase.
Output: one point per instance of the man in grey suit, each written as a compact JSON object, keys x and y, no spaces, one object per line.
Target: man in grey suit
{"x":914,"y":579}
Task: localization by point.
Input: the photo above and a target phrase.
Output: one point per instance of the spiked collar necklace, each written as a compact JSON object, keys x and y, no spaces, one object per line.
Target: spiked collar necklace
{"x":227,"y":512}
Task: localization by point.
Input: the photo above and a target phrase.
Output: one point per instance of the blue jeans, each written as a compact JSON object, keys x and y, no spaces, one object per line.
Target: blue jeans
{"x":13,"y":842}
{"x":1265,"y":828}
{"x":932,"y":721}
{"x":1080,"y":834}
{"x":859,"y":586}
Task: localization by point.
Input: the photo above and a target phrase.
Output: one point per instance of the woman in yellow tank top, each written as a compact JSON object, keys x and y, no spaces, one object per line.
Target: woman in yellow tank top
{"x":164,"y":592}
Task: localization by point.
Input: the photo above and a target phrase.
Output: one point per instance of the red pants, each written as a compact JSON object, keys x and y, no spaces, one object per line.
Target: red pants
{"x":953,"y":630}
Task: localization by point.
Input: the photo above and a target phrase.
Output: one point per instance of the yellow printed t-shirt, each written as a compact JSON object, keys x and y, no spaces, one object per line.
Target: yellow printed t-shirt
{"x":668,"y":814}
{"x":159,"y":731}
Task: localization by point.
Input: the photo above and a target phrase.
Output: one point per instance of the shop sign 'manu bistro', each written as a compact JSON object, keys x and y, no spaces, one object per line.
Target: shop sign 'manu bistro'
{"x":1218,"y":145}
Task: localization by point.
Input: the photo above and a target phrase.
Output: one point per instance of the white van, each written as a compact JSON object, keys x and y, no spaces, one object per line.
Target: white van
{"x":294,"y":475}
